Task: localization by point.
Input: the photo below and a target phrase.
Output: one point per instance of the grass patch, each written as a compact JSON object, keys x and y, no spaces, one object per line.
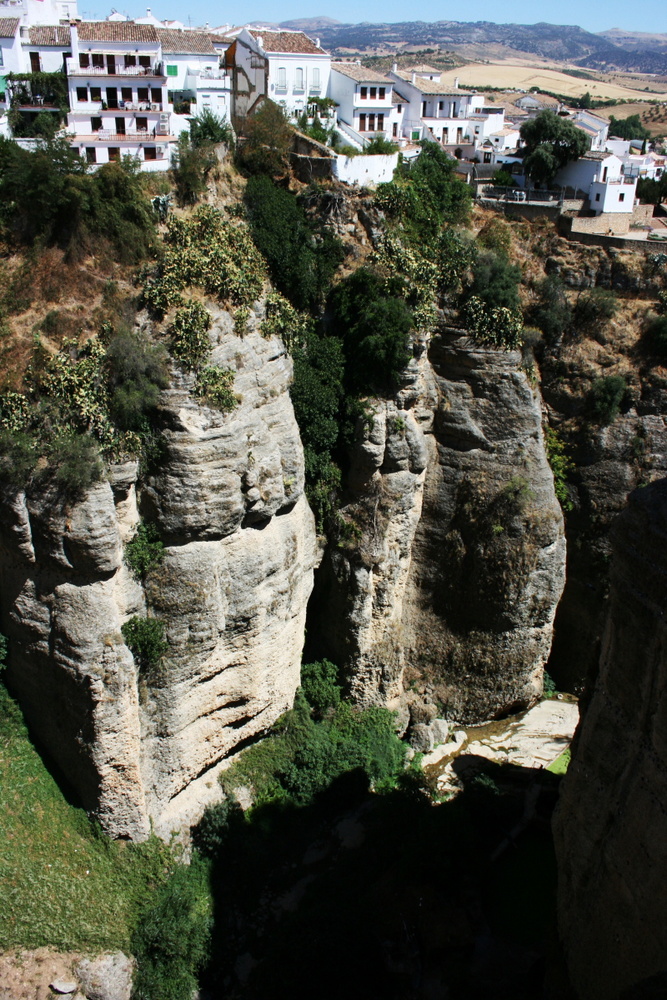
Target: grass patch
{"x":64,"y":883}
{"x":561,"y":763}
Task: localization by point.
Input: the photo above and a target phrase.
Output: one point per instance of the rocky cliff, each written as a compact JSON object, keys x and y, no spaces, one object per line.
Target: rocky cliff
{"x":447,"y":577}
{"x":610,"y":827}
{"x":142,"y":745}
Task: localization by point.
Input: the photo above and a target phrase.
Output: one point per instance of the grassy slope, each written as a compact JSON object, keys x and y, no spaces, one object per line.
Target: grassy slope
{"x":64,"y":883}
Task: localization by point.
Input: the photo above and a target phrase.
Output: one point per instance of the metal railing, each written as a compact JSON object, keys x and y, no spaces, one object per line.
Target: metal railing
{"x":73,"y":69}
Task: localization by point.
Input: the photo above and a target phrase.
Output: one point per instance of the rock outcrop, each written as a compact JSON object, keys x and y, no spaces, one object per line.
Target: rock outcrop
{"x":611,"y":826}
{"x":142,"y":745}
{"x":448,"y":572}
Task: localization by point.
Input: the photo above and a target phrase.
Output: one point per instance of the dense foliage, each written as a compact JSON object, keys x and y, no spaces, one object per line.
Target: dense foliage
{"x":551,"y":313}
{"x":605,"y":398}
{"x":628,"y":128}
{"x":47,"y":195}
{"x":550,"y":142}
{"x":145,"y":551}
{"x":267,"y":142}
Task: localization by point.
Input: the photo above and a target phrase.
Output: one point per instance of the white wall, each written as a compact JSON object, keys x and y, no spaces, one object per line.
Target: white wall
{"x":365,"y":170}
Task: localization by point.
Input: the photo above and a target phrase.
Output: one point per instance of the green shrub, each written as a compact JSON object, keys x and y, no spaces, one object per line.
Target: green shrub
{"x":561,"y":466}
{"x":503,"y":178}
{"x":595,"y":308}
{"x":496,"y":236}
{"x":493,"y":327}
{"x":171,"y":943}
{"x":549,"y":688}
{"x":268,"y":139}
{"x":380,"y":145}
{"x":190,"y":343}
{"x":211,"y":833}
{"x":145,"y":638}
{"x":145,"y":551}
{"x":455,"y":255}
{"x":3,"y":651}
{"x":319,"y":682}
{"x":208,"y":128}
{"x":138,"y":370}
{"x":75,"y":463}
{"x":214,"y":386}
{"x":190,"y":169}
{"x":496,"y":281}
{"x":605,"y":398}
{"x":18,"y":458}
{"x":552,"y":313}
{"x":655,"y":336}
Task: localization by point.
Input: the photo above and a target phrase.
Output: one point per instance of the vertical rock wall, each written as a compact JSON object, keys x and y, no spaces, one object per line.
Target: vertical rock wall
{"x":232,"y":592}
{"x":611,"y":825}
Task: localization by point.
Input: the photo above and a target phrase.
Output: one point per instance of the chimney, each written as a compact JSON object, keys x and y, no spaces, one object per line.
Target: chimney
{"x":260,"y":41}
{"x":394,"y":67}
{"x":456,"y":83}
{"x":148,"y":12}
{"x":317,"y":42}
{"x":414,"y":76}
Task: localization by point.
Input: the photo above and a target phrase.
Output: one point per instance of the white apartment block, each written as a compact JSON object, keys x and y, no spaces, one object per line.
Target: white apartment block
{"x":600,"y":177}
{"x":287,"y":66}
{"x":366,"y":107}
{"x":192,"y":66}
{"x":118,"y":94}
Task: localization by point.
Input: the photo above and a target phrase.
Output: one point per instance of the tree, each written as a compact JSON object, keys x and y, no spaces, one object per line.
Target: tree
{"x":268,"y":138}
{"x":550,"y":142}
{"x":207,"y":128}
{"x":628,"y":128}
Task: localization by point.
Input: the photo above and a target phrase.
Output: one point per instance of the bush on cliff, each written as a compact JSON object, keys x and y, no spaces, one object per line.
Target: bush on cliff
{"x":145,"y":638}
{"x":605,"y":398}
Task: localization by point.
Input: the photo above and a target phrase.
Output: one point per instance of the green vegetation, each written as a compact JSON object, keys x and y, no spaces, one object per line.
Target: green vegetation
{"x":551,"y":313}
{"x":550,"y":142}
{"x":208,"y":129}
{"x":594,"y":309}
{"x":267,"y":142}
{"x":145,"y":551}
{"x":190,"y":343}
{"x":302,"y":258}
{"x":628,"y":128}
{"x":204,"y":251}
{"x":138,"y":370}
{"x":493,"y":327}
{"x":655,"y":336}
{"x":561,"y":763}
{"x":214,"y":387}
{"x":64,"y":883}
{"x":304,"y":755}
{"x":171,"y":942}
{"x":145,"y":638}
{"x":652,"y":192}
{"x":605,"y":398}
{"x":47,"y":195}
{"x":380,"y":146}
{"x":549,"y":688}
{"x":561,"y":466}
{"x":190,"y":169}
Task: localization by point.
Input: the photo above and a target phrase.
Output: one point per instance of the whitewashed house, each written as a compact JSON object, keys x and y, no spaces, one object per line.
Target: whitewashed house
{"x":599,"y":176}
{"x":595,"y":128}
{"x":365,"y":100}
{"x":446,"y":114}
{"x":45,"y":47}
{"x":118,"y":94}
{"x":31,"y":12}
{"x":286,"y":66}
{"x":192,"y":65}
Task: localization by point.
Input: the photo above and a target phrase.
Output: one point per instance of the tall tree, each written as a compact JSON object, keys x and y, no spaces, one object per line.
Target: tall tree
{"x":550,"y":142}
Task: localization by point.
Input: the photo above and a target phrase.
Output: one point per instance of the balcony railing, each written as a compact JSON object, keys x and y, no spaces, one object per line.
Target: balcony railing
{"x":106,"y":135}
{"x":73,"y":69}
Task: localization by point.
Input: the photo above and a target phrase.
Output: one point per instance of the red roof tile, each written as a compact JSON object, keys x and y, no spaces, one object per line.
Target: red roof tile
{"x":50,"y":34}
{"x":116,"y":31}
{"x":287,"y":41}
{"x":8,"y":26}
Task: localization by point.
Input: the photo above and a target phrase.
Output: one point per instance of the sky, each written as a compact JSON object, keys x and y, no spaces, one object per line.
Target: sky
{"x":595,"y":15}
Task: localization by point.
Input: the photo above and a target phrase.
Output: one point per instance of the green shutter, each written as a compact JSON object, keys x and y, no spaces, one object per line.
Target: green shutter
{"x":172,"y":70}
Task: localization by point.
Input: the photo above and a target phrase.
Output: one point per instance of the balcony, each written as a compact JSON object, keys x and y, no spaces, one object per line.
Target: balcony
{"x":106,"y":135}
{"x":156,"y":70}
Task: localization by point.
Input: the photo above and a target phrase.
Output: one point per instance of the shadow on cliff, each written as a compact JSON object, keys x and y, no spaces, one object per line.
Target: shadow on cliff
{"x":366,"y":896}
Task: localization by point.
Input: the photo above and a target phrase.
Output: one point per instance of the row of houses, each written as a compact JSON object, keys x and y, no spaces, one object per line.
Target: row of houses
{"x":131,"y":86}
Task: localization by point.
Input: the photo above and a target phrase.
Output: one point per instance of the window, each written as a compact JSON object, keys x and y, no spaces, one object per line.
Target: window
{"x":98,"y":60}
{"x":362,"y":123}
{"x":381,"y":92}
{"x":142,"y":124}
{"x":597,"y":197}
{"x":130,"y":60}
{"x":380,"y":123}
{"x":394,"y":130}
{"x":363,"y":93}
{"x":400,"y":108}
{"x":316,"y":78}
{"x":95,"y":124}
{"x":604,"y":175}
{"x":371,"y":123}
{"x":156,"y":95}
{"x":112,"y":97}
{"x":126,"y":93}
{"x":298,"y":78}
{"x":441,"y":105}
{"x":172,"y":70}
{"x":35,"y":63}
{"x":82,"y":94}
{"x":621,"y":197}
{"x":84,"y":60}
{"x":142,"y":94}
{"x":423,"y":109}
{"x":120,"y":126}
{"x":487,"y":157}
{"x":91,"y":154}
{"x":114,"y":154}
{"x":96,"y":93}
{"x":145,"y":62}
{"x":150,"y":153}
{"x":374,"y":93}
{"x":282,"y":78}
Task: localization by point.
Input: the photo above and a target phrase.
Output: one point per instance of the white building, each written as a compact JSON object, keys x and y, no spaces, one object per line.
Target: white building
{"x":32,"y":12}
{"x":192,"y":65}
{"x":600,"y":177}
{"x":595,"y":128}
{"x":286,"y":66}
{"x":447,"y":114}
{"x":45,"y":47}
{"x":118,"y":94}
{"x":365,"y":100}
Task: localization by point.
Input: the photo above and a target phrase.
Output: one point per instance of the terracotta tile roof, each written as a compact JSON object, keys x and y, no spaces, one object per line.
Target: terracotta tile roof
{"x":116,"y":31}
{"x":397,"y":98}
{"x":423,"y":68}
{"x":597,"y":154}
{"x":287,"y":41}
{"x":432,"y":86}
{"x":8,"y":26}
{"x":50,"y":34}
{"x":217,"y":39}
{"x":360,"y":73}
{"x":196,"y":42}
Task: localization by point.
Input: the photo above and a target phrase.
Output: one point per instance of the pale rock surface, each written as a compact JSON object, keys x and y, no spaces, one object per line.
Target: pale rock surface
{"x":610,"y":827}
{"x":232,"y":591}
{"x":107,"y":977}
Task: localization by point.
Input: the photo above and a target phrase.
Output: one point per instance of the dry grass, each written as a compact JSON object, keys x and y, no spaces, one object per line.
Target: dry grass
{"x":523,"y":76}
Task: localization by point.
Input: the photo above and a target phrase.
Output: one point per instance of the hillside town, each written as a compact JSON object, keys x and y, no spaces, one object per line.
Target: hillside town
{"x":121,"y":87}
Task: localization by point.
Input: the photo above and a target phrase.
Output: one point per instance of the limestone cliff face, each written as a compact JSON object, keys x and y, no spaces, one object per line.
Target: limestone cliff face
{"x":232,"y":592}
{"x":610,"y":827}
{"x":448,"y":578}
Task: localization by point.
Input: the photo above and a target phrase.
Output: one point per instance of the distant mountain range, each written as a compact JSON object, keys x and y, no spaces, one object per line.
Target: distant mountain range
{"x":615,"y":49}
